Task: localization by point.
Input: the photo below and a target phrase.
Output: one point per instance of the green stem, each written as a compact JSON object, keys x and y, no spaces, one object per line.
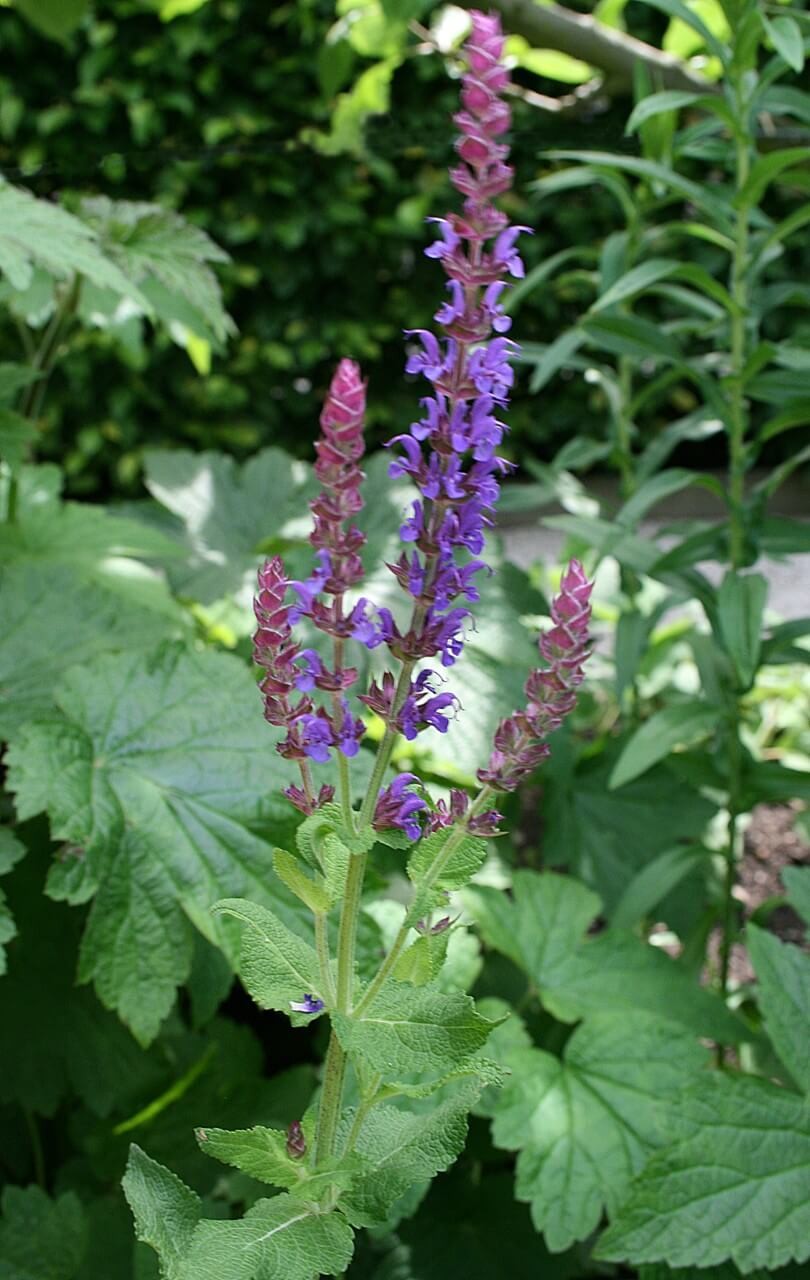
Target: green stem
{"x":42,"y":361}
{"x":729,"y":929}
{"x":334,"y":1072}
{"x":36,"y":1146}
{"x":738,"y":409}
{"x":324,"y":959}
{"x":386,"y":747}
{"x":433,"y":874}
{"x":335,"y":1066}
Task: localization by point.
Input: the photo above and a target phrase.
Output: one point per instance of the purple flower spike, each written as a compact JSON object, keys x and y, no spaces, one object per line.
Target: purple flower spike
{"x":397,"y":807}
{"x":309,"y":1004}
{"x":450,"y":453}
{"x":550,"y":691}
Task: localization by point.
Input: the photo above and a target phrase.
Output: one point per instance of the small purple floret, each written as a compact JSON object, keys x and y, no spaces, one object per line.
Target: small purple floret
{"x":309,"y":1004}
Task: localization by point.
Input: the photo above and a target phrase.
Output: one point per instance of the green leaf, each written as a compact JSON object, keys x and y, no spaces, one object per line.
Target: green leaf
{"x":152,"y":244}
{"x":783,"y":991}
{"x":793,"y":415}
{"x":797,"y":884}
{"x":275,"y":965}
{"x":38,"y":233}
{"x":765,"y":170}
{"x":54,"y":18}
{"x":94,"y":620}
{"x":407,"y":1029}
{"x":459,"y":869}
{"x":740,"y":605}
{"x":17,"y":435}
{"x":692,"y":15}
{"x":698,"y":194}
{"x":555,"y":356}
{"x":656,"y":103}
{"x":158,"y":768}
{"x":787,"y":40}
{"x":629,"y":336}
{"x":681,"y":724}
{"x":653,"y":491}
{"x":166,"y":1212}
{"x":584,"y":1126}
{"x":422,"y":961}
{"x":542,"y":929}
{"x":399,"y":1148}
{"x":11,"y":851}
{"x":635,"y":281}
{"x":259,"y":1152}
{"x":40,"y":1238}
{"x":288,"y":869}
{"x":653,"y":882}
{"x":733,"y":1185}
{"x":278,"y":1237}
{"x":233,"y":515}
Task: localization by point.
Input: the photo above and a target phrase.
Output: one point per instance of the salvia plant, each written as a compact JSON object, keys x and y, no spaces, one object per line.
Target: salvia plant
{"x":398,"y":1034}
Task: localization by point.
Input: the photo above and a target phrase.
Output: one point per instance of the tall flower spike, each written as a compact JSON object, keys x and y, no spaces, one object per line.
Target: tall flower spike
{"x":340,"y":449}
{"x":450,"y":452}
{"x":550,"y":691}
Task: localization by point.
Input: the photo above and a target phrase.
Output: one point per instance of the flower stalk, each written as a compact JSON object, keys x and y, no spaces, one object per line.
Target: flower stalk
{"x":450,"y":453}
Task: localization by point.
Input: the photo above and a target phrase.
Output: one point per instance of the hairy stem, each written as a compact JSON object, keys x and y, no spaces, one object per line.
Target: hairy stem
{"x":334,"y":1071}
{"x":324,"y":959}
{"x":442,"y":858}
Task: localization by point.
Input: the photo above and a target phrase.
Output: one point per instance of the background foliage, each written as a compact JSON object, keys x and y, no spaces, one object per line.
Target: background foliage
{"x":647,"y":1053}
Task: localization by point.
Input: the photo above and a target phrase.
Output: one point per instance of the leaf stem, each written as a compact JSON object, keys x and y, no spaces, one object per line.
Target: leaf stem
{"x":324,"y":959}
{"x":434,"y":872}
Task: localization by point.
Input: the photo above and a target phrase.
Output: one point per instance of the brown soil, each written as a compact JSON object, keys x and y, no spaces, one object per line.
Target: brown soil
{"x":771,"y":844}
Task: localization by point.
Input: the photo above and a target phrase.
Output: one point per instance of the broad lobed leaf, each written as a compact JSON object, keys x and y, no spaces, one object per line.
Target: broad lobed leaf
{"x":733,"y":1185}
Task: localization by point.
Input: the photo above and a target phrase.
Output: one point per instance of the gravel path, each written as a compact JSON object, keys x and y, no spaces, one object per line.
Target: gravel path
{"x":789,"y":579}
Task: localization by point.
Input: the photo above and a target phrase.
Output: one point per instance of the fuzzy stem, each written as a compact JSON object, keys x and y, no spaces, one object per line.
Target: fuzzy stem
{"x":324,"y":959}
{"x":442,"y":858}
{"x":331,"y":1096}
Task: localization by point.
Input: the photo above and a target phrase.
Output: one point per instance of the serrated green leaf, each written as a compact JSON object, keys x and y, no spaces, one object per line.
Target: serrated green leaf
{"x":158,"y":769}
{"x":260,"y":1152}
{"x":166,"y":1212}
{"x":423,"y":959}
{"x":38,"y":233}
{"x":232,"y":514}
{"x":459,"y":868}
{"x":400,"y":1148}
{"x":407,"y":1029}
{"x":585,"y":1125}
{"x":40,"y":1238}
{"x":275,"y":965}
{"x":541,"y":928}
{"x":150,"y":243}
{"x":93,"y":620}
{"x":278,"y":1237}
{"x":733,"y":1184}
{"x":288,"y":869}
{"x":783,"y":991}
{"x":681,"y":724}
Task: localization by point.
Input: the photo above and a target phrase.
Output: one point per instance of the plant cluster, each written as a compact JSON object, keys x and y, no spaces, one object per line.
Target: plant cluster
{"x":467,"y":956}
